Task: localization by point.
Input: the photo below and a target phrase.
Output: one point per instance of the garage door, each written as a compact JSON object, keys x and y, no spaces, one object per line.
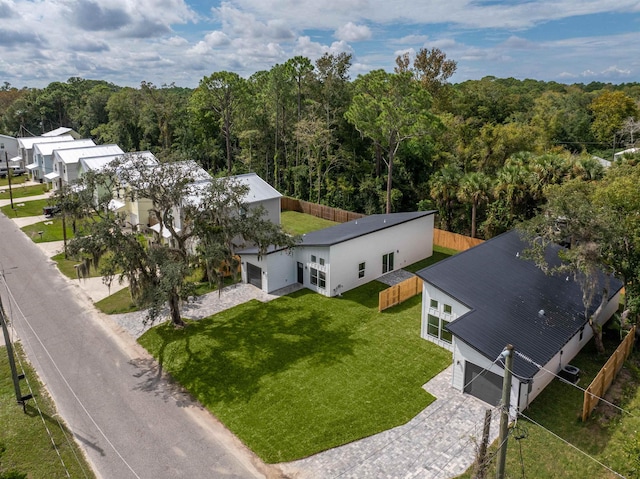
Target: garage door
{"x":254,"y":275}
{"x":486,"y":385}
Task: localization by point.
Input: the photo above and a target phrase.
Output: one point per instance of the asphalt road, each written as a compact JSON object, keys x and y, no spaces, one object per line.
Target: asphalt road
{"x":129,"y":419}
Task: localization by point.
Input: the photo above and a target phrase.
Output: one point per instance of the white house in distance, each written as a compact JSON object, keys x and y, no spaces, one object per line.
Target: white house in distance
{"x":9,"y":151}
{"x":261,"y":194}
{"x":62,"y":130}
{"x":66,"y":162}
{"x":336,"y":259}
{"x":43,"y":155}
{"x":25,"y":146}
{"x":480,"y":300}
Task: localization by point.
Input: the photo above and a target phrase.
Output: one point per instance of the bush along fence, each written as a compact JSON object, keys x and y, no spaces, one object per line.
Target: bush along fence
{"x":607,"y":374}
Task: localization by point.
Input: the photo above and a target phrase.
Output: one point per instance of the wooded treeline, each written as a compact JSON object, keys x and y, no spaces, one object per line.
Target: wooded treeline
{"x":480,"y":152}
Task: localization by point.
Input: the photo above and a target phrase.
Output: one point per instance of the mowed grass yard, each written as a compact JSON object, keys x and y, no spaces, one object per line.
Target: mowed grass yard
{"x":28,"y":447}
{"x":304,"y":373}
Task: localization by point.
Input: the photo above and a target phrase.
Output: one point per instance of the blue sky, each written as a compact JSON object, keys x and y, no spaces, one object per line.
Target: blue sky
{"x":181,"y":41}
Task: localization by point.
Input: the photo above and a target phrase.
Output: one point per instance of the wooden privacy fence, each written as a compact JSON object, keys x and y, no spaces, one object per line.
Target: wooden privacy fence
{"x":399,"y":293}
{"x":607,"y":374}
{"x":455,"y":241}
{"x":319,"y":211}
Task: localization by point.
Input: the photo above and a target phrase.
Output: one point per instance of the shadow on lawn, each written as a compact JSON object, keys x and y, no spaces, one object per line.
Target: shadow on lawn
{"x":225,"y":357}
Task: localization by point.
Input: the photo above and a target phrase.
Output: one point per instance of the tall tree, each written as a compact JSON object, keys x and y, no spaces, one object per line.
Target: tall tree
{"x":432,"y":69}
{"x":199,"y":217}
{"x":390,"y":109}
{"x":221,"y":94}
{"x":610,"y":110}
{"x":443,"y":187}
{"x":475,"y":188}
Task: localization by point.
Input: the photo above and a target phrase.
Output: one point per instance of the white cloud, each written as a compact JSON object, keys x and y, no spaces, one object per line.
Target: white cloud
{"x":351,"y":32}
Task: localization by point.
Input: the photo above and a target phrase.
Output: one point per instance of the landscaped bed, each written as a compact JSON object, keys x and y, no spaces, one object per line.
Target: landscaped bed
{"x":304,"y":372}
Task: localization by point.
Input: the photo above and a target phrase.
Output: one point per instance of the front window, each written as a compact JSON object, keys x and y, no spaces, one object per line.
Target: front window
{"x":434,"y":303}
{"x":313,"y":258}
{"x":447,"y":308}
{"x":314,"y":276}
{"x":321,"y":261}
{"x":433,"y":326}
{"x":361,"y":270}
{"x":322,"y":279}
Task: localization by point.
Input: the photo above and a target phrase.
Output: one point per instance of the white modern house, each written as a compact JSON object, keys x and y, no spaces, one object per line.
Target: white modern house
{"x":62,"y":130}
{"x":477,"y":302}
{"x":25,"y":147}
{"x":66,"y":162}
{"x":9,"y":151}
{"x":260,"y":194}
{"x":43,"y":155}
{"x":342,"y":257}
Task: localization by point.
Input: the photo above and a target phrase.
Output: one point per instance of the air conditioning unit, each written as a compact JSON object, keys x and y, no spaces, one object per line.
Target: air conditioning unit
{"x":570,"y":373}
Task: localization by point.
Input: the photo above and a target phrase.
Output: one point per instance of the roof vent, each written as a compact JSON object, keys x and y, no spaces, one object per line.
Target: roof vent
{"x":517,"y":254}
{"x":384,"y":221}
{"x":541,"y":313}
{"x":356,"y":221}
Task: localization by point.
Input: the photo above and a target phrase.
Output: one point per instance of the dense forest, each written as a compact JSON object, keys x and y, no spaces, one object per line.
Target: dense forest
{"x":481,"y":152}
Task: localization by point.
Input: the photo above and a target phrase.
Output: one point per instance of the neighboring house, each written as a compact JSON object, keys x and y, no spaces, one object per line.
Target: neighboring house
{"x":336,"y":259}
{"x":629,"y":151}
{"x":61,"y":131}
{"x":43,"y":155}
{"x":133,"y":210}
{"x":261,"y":194}
{"x":9,"y":151}
{"x":66,"y":162}
{"x":480,"y":300}
{"x":25,"y":147}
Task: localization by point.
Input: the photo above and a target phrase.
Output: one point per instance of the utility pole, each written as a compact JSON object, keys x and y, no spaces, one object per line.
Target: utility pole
{"x":20,"y":399}
{"x":507,"y":355}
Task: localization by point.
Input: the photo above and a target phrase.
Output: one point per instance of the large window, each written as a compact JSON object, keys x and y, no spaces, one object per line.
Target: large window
{"x":387,"y":262}
{"x":318,"y":278}
{"x":361,"y":270}
{"x":435,"y":328}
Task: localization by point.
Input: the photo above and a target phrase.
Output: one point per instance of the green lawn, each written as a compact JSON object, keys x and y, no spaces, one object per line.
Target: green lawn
{"x":28,"y":448}
{"x":15,"y":180}
{"x":300,"y":223}
{"x":117,"y":303}
{"x":23,"y":209}
{"x":50,"y":232}
{"x":23,"y":191}
{"x":607,"y":436}
{"x":304,"y":373}
{"x":439,"y":253}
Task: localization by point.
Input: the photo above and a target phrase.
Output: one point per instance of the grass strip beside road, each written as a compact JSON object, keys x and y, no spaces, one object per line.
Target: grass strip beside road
{"x":23,"y":191}
{"x":304,"y":373}
{"x":28,"y":447}
{"x":51,"y":230}
{"x":22,"y":209}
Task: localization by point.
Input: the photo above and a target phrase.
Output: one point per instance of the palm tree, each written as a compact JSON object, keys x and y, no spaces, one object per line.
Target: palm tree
{"x":442,"y":188}
{"x":474,"y":188}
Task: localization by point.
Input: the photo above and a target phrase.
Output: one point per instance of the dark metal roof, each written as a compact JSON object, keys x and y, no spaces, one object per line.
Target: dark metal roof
{"x":350,"y":230}
{"x":360,"y":227}
{"x":506,"y":294}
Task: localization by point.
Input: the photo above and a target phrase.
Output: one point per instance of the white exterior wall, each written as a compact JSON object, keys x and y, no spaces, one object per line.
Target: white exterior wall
{"x":457,"y":309}
{"x":409,"y":242}
{"x":303,"y":255}
{"x":272,"y":209}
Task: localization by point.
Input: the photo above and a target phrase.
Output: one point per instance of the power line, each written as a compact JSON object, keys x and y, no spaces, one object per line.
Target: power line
{"x":64,"y":379}
{"x":574,"y":447}
{"x":526,"y":358}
